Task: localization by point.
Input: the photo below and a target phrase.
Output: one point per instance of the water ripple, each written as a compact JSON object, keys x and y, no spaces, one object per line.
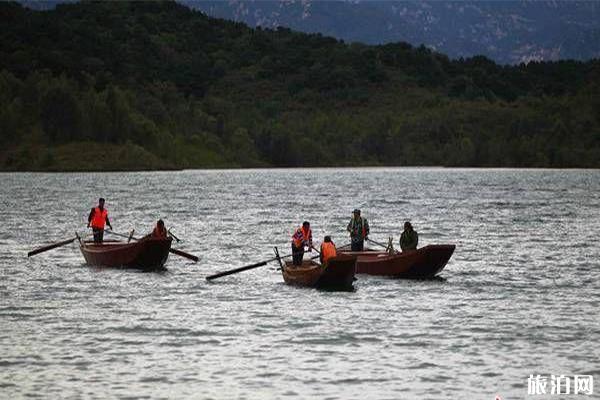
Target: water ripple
{"x":518,"y":297}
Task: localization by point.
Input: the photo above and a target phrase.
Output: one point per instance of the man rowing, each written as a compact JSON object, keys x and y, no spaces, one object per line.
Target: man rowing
{"x":97,"y":219}
{"x":302,"y":237}
{"x":328,"y":250}
{"x":359,"y":230}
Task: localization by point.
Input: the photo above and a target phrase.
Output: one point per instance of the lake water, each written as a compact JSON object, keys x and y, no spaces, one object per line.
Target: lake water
{"x":520,"y":295}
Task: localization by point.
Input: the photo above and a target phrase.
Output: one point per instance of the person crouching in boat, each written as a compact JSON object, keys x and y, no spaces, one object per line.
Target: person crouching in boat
{"x":328,"y":250}
{"x":409,"y":238}
{"x":97,"y":219}
{"x":302,"y":237}
{"x":159,"y":231}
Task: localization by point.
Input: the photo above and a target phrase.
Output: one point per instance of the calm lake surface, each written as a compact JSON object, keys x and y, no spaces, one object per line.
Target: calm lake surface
{"x":520,"y":296}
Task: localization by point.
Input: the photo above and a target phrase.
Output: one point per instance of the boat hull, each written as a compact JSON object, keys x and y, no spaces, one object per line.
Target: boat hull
{"x":423,"y":263}
{"x":146,"y":254}
{"x":338,"y":274}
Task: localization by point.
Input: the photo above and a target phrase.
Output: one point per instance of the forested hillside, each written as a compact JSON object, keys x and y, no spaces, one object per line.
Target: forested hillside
{"x":144,"y":85}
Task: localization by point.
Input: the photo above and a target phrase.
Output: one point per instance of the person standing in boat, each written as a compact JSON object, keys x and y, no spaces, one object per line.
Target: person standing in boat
{"x":359,"y":230}
{"x":302,"y":237}
{"x":97,"y":219}
{"x":409,"y":238}
{"x":328,"y":250}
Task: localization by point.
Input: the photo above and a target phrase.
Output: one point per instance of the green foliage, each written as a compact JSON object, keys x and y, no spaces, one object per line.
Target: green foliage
{"x":138,"y":85}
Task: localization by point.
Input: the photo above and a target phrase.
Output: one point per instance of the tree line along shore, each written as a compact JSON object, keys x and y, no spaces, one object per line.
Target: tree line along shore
{"x":155,"y":85}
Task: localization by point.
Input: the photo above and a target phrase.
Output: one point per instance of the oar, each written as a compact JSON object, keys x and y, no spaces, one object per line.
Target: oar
{"x":315,"y":249}
{"x":174,"y":251}
{"x":174,"y":237}
{"x":251,"y":266}
{"x":377,"y":243}
{"x":346,"y":245}
{"x":387,"y":248}
{"x":50,"y":247}
{"x":244,"y":268}
{"x":184,"y":254}
{"x":129,"y":237}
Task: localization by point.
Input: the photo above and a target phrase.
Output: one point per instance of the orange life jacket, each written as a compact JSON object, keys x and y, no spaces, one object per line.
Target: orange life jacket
{"x":159,"y":233}
{"x":327,"y":251}
{"x":99,"y":218}
{"x":301,"y":236}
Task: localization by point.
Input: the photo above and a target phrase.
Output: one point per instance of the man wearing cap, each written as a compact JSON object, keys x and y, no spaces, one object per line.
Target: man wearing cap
{"x":302,"y":237}
{"x":97,"y":219}
{"x":359,"y":230}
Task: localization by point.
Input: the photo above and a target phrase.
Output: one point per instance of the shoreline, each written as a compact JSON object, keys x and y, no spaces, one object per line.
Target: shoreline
{"x":274,"y":168}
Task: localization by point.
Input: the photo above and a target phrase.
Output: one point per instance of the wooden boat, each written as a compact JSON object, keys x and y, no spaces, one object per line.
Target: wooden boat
{"x":146,"y":254}
{"x":337,"y":274}
{"x":422,"y":263}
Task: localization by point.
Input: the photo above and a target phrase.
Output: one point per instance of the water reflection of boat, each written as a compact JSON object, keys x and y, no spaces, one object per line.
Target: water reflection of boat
{"x":337,"y":274}
{"x":146,"y":254}
{"x":425,"y":262}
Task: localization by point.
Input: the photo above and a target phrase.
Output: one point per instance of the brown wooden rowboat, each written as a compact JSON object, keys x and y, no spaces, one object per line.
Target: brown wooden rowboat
{"x":422,"y":263}
{"x":338,"y":274}
{"x":146,"y":254}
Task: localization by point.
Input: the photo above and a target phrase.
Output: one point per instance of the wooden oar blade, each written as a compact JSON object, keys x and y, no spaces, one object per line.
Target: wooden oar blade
{"x":49,"y":247}
{"x":235,"y":271}
{"x":184,"y":254}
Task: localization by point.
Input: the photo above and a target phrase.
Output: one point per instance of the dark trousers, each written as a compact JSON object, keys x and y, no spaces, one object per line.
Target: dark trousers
{"x":297,"y":254}
{"x":358,"y":245}
{"x":98,"y":235}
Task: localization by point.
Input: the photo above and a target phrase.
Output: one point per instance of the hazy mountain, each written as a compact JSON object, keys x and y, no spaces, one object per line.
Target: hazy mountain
{"x":506,"y":31}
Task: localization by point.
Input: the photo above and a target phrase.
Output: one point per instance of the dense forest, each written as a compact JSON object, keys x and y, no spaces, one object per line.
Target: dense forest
{"x":155,"y":85}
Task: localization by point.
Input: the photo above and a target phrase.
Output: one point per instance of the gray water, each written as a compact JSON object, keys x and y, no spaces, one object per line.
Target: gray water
{"x":520,"y":296}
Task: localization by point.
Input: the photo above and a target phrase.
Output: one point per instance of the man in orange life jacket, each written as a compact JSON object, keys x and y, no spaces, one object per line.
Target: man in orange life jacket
{"x":97,"y":219}
{"x":328,"y":250}
{"x":302,"y":237}
{"x":159,"y":232}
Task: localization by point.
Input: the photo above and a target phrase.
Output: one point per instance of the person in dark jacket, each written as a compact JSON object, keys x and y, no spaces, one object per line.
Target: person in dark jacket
{"x":359,"y":230}
{"x":409,"y":238}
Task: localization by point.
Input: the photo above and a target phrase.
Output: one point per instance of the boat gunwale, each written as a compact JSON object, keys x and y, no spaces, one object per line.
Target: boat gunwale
{"x":130,"y":255}
{"x":105,"y":246}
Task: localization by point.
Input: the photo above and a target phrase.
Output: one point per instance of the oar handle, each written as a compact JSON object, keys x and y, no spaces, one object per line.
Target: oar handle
{"x":235,"y":271}
{"x":174,"y":237}
{"x":377,"y":243}
{"x":120,"y":234}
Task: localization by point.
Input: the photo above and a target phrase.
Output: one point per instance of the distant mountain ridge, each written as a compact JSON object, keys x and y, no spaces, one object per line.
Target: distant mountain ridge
{"x":509,"y":32}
